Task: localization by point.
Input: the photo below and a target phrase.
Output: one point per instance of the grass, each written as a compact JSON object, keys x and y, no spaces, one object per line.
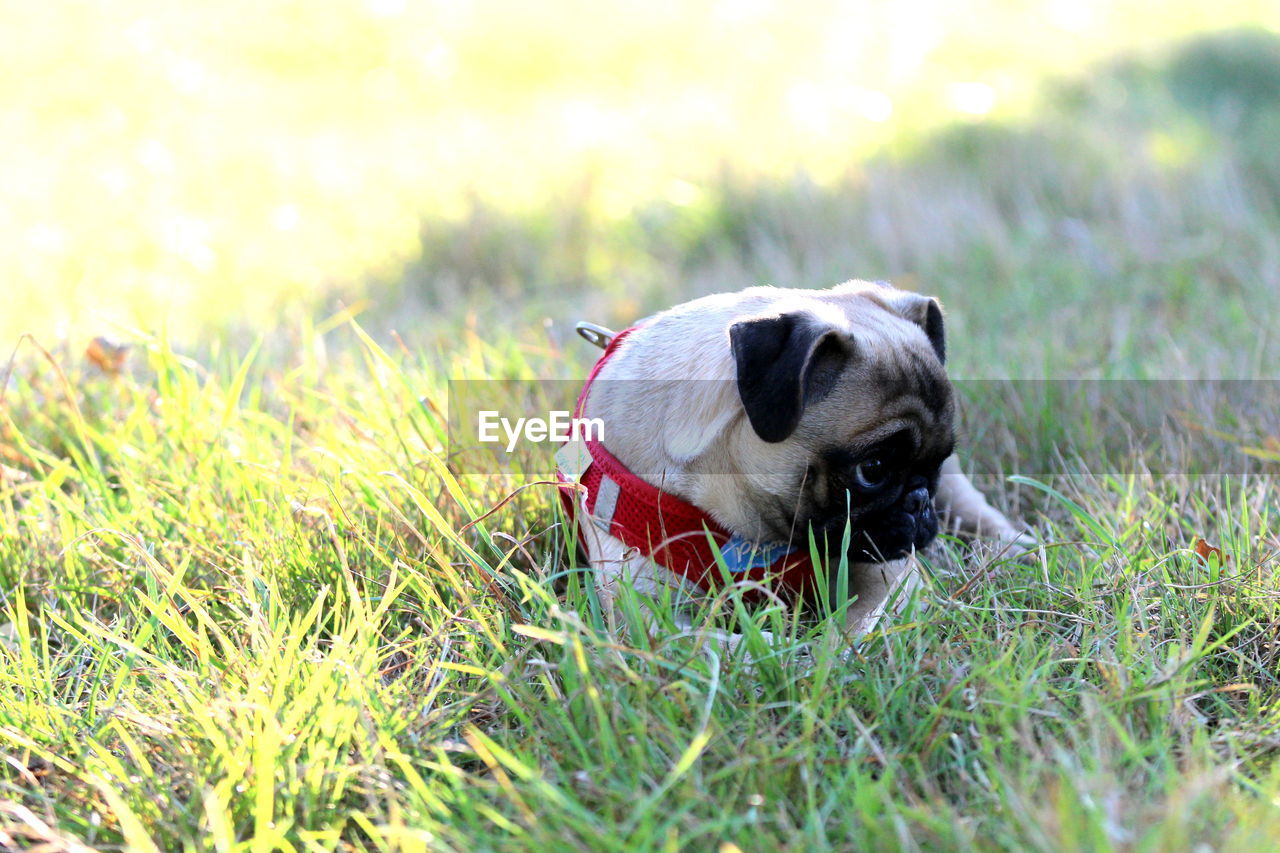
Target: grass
{"x":247,"y":616}
{"x":250,"y":603}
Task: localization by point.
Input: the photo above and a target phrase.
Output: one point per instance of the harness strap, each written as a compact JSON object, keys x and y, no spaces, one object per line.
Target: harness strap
{"x":672,"y":532}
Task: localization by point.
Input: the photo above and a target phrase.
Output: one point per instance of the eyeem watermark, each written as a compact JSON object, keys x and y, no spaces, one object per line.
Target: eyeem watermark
{"x":559,"y":426}
{"x":1034,"y":428}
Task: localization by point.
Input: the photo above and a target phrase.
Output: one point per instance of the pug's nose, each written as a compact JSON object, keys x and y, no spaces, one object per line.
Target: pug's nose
{"x":916,"y":501}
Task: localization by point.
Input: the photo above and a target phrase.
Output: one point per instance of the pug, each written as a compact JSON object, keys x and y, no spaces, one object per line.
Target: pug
{"x":740,"y":431}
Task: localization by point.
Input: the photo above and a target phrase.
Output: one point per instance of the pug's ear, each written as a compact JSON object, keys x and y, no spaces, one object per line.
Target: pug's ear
{"x":928,"y":316}
{"x":925,"y":312}
{"x":785,"y":363}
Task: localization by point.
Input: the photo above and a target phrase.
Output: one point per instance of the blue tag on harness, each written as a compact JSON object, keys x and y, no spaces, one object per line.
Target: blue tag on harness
{"x":740,"y":555}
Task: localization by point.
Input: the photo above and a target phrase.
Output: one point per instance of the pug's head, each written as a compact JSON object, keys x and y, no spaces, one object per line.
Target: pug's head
{"x":854,"y":385}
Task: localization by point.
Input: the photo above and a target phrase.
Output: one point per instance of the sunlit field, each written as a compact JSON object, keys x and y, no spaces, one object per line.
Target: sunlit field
{"x":250,"y":601}
{"x":182,"y":167}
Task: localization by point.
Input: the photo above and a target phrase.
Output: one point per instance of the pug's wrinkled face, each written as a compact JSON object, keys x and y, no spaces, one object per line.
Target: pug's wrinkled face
{"x":881,"y":482}
{"x":866,"y":402}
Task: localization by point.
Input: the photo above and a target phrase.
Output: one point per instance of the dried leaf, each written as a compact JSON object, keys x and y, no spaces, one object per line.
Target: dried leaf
{"x":1203,"y":550}
{"x":107,"y":355}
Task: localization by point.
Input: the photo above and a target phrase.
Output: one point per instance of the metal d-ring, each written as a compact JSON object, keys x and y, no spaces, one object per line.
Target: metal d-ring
{"x":593,"y":334}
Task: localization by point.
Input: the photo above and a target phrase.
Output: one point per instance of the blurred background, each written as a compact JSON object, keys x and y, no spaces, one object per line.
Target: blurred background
{"x":1090,"y":186}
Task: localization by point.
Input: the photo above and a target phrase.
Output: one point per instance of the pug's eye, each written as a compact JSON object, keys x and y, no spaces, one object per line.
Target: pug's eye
{"x":871,"y":473}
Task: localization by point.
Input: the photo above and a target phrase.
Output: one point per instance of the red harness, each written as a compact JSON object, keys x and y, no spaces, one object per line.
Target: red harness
{"x":673,"y":533}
